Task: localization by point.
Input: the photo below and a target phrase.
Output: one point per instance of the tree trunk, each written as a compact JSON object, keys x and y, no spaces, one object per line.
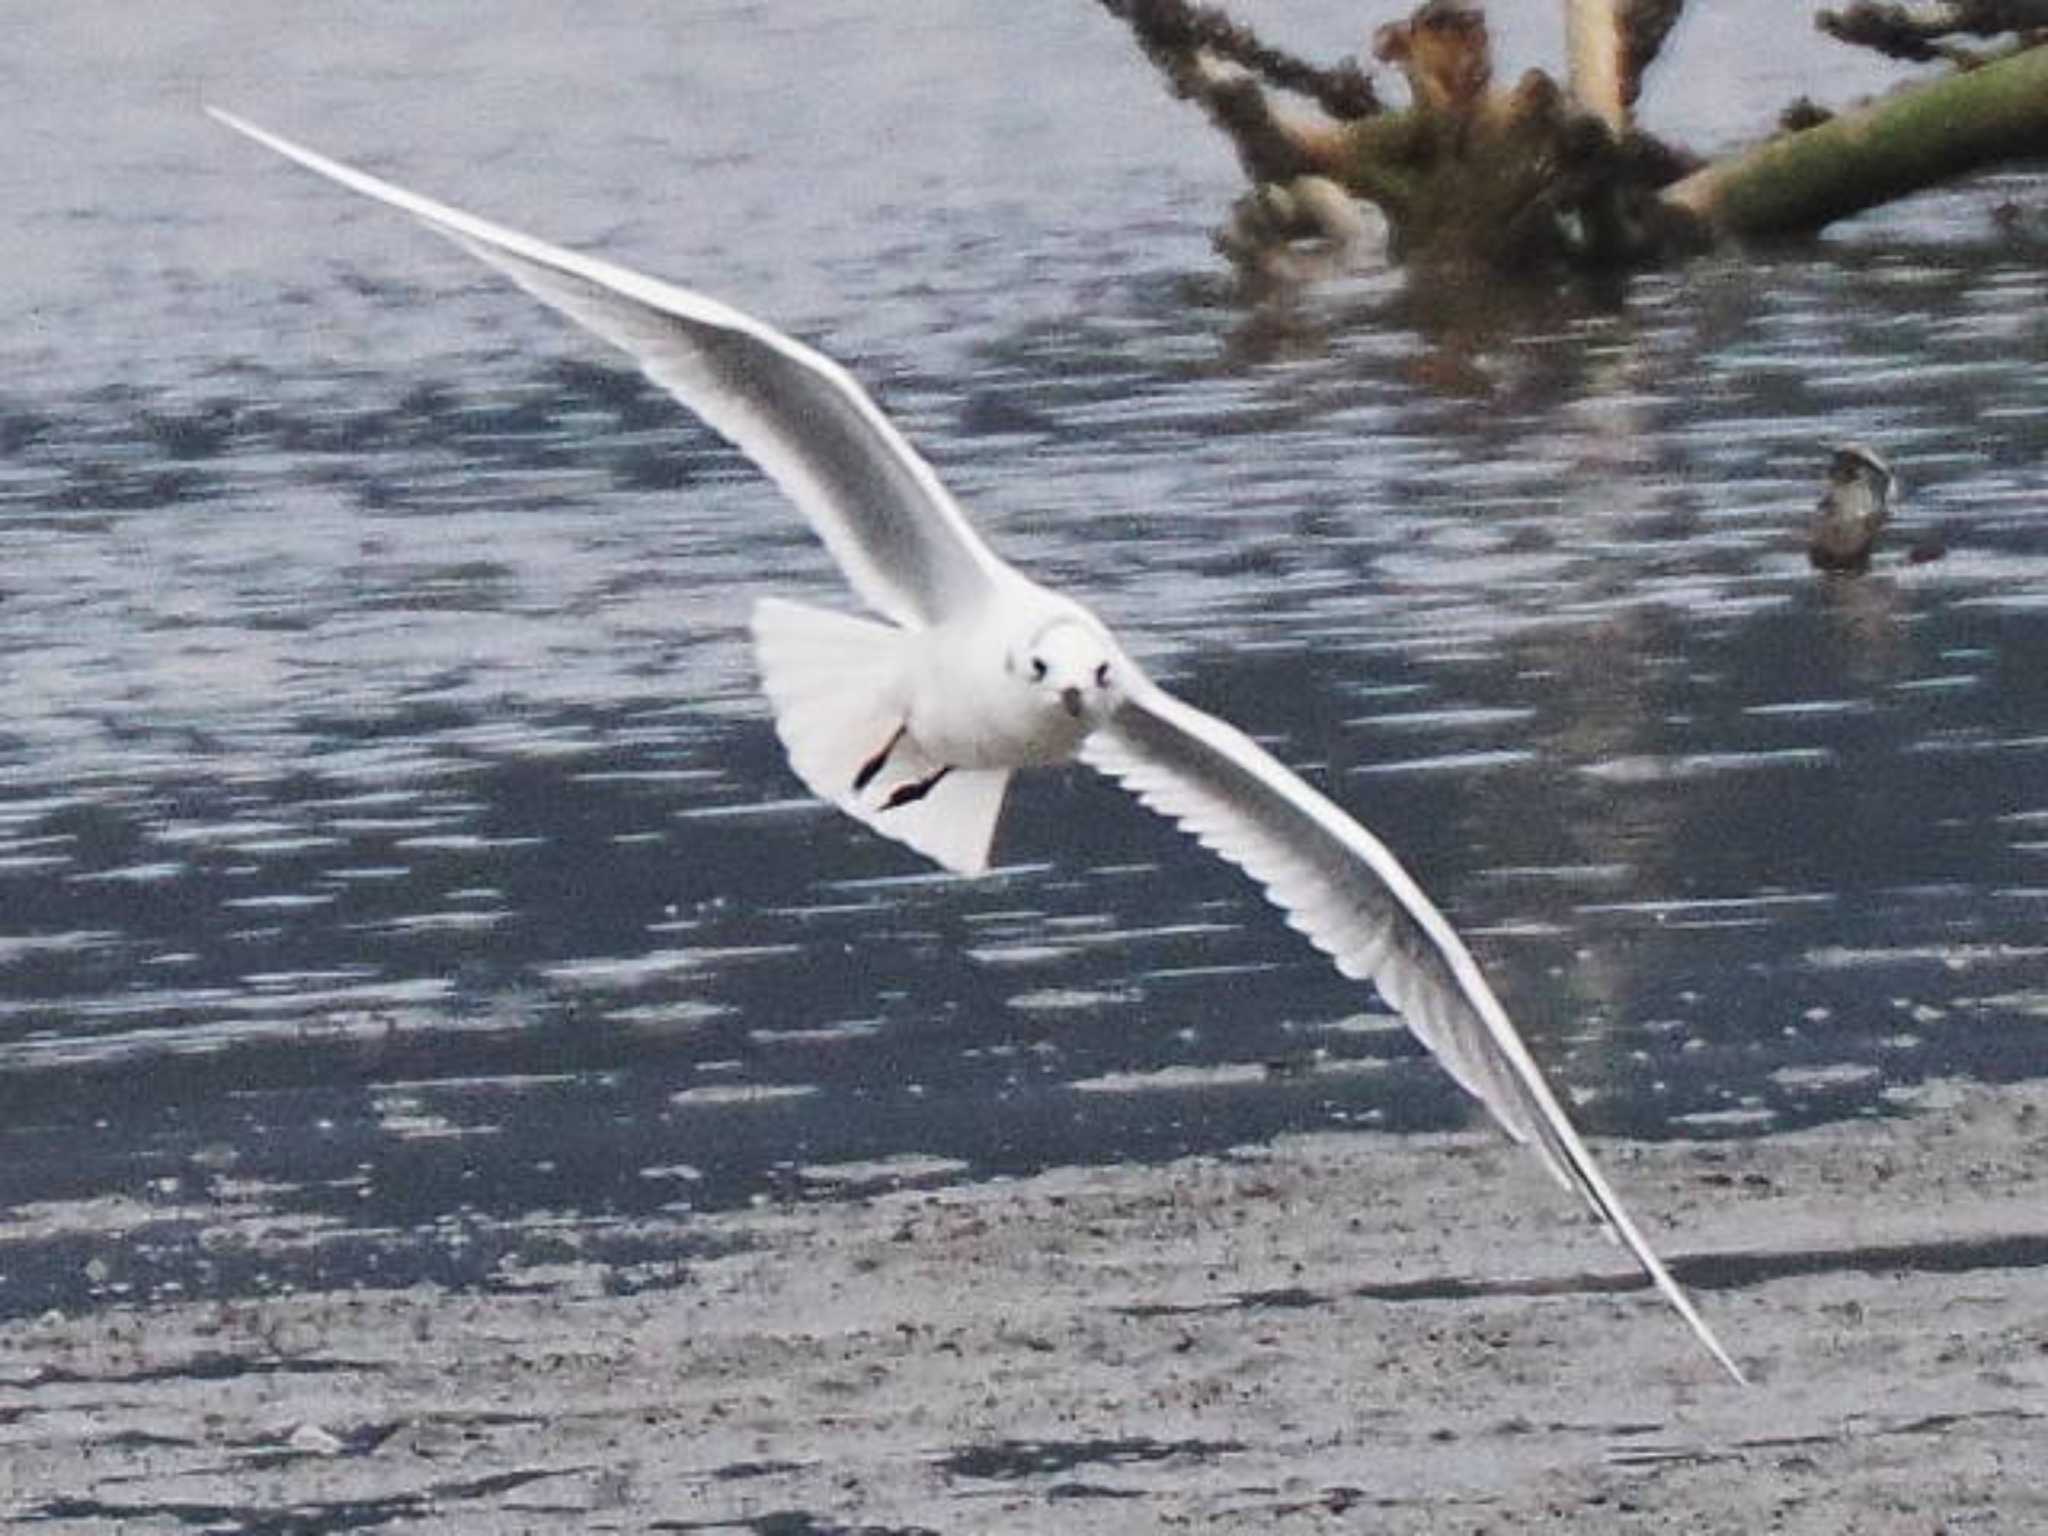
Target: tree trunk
{"x":1800,"y":182}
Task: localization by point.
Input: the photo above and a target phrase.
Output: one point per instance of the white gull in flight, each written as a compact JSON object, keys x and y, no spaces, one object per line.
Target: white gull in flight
{"x":915,"y":725}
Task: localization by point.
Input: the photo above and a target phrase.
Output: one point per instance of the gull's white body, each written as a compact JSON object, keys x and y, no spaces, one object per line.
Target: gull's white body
{"x":914,"y":725}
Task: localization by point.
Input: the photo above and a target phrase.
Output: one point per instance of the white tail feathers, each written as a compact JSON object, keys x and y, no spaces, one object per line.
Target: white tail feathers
{"x":840,"y":689}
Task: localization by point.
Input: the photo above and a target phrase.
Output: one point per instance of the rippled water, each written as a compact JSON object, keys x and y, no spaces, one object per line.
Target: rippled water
{"x":392,"y":838}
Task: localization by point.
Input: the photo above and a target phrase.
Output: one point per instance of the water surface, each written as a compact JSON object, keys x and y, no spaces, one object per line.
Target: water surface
{"x":393,"y":845}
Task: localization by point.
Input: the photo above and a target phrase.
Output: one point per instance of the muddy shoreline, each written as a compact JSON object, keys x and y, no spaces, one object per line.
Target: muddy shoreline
{"x":1334,"y":1331}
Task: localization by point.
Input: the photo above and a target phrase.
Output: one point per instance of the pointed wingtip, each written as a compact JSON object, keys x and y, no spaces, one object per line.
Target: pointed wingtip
{"x":275,"y":142}
{"x":1727,"y":1361}
{"x":1668,"y":1287}
{"x":1735,"y":1372}
{"x":232,"y":120}
{"x":278,"y":143}
{"x":1682,"y":1303}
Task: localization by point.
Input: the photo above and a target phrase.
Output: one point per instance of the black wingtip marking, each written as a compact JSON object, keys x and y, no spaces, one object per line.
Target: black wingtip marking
{"x":906,"y":794}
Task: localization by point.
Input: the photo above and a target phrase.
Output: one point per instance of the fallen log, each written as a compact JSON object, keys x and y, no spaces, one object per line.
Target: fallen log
{"x":1535,"y":178}
{"x":1915,"y":139}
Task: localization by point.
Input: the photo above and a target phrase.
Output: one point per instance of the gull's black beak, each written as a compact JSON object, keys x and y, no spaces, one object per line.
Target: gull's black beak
{"x":1071,"y":698}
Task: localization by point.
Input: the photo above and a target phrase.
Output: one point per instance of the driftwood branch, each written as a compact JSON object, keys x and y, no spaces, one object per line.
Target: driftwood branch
{"x":1609,"y":44}
{"x":1529,"y":177}
{"x":1648,"y":23}
{"x":1509,"y":177}
{"x":1173,"y":31}
{"x":1918,"y":33}
{"x":1915,"y":139}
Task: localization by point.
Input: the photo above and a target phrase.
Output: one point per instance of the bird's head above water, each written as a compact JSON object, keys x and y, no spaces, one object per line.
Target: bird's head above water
{"x":1072,"y":666}
{"x":1860,"y":464}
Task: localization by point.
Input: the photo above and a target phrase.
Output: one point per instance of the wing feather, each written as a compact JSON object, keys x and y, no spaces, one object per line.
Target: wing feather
{"x":1340,"y":886}
{"x":896,"y":532}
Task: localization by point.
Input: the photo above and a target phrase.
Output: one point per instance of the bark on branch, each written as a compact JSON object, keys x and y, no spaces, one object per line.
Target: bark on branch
{"x":1922,"y":136}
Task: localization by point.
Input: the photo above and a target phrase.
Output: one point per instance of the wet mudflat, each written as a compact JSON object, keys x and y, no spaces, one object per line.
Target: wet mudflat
{"x":1323,"y":1332}
{"x":449,"y":1076}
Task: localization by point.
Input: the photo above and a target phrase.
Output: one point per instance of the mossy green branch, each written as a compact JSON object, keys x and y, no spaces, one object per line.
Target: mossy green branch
{"x":1915,"y":139}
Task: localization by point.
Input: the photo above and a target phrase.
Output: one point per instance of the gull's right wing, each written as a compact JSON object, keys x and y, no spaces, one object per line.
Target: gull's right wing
{"x":1339,"y":886}
{"x":894,"y":529}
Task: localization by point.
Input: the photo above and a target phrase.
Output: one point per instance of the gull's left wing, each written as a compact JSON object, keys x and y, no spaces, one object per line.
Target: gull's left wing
{"x":1340,"y":887}
{"x":898,"y":535}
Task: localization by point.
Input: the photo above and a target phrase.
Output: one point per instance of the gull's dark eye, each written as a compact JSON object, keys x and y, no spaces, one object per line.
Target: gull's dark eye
{"x":1038,"y":669}
{"x":1102,"y":674}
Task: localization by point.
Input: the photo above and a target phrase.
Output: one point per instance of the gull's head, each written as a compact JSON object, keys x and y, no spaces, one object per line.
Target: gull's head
{"x":1071,"y":666}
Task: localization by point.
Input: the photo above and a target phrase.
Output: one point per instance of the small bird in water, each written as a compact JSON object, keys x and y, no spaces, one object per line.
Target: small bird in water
{"x":1853,"y":509}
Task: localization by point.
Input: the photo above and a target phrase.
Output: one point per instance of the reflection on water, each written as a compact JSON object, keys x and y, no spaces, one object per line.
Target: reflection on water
{"x":393,"y":845}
